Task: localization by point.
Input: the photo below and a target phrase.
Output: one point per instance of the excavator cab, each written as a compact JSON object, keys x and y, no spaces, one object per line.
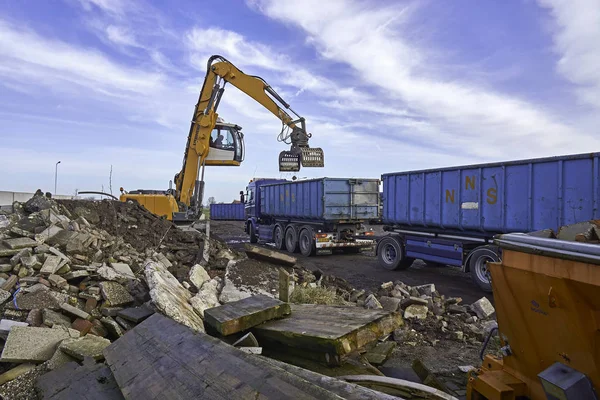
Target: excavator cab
{"x":226,"y":145}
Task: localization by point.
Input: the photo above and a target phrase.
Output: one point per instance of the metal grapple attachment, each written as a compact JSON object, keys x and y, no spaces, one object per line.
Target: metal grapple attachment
{"x":290,"y":161}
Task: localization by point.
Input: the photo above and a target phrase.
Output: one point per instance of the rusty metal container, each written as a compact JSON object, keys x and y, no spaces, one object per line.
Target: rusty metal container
{"x":547,"y":297}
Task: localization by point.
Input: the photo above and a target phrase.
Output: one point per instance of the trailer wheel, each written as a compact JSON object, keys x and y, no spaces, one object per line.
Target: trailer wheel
{"x":391,"y":254}
{"x":278,"y":237}
{"x":478,"y":260}
{"x":307,"y":242}
{"x":291,"y":240}
{"x":252,"y":231}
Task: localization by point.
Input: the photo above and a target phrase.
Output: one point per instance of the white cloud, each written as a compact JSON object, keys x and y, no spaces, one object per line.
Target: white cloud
{"x":373,"y":40}
{"x":577,"y":41}
{"x":116,"y":7}
{"x":121,"y":36}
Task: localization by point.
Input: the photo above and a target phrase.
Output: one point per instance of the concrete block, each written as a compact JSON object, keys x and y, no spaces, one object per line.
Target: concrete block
{"x":48,"y":233}
{"x":260,"y":253}
{"x":123,"y":269}
{"x":198,"y":276}
{"x":483,"y":308}
{"x":30,"y":344}
{"x":35,"y":300}
{"x":426,"y":289}
{"x":207,"y":297}
{"x":58,"y":281}
{"x":416,"y":311}
{"x":87,"y":346}
{"x":76,"y":275}
{"x":51,"y":265}
{"x":75,"y":311}
{"x":20,"y":243}
{"x":52,"y":318}
{"x":372,"y":303}
{"x":7,"y":324}
{"x":115,"y":294}
{"x":390,"y":303}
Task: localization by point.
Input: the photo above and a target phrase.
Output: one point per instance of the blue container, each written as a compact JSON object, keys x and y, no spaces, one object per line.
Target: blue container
{"x":227,"y":212}
{"x":518,"y":196}
{"x":323,"y":199}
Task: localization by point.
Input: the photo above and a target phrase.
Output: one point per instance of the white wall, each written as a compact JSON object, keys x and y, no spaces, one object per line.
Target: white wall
{"x":7,"y":198}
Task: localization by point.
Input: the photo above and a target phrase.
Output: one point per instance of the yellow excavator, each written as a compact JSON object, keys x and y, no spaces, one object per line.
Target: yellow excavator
{"x":212,"y":142}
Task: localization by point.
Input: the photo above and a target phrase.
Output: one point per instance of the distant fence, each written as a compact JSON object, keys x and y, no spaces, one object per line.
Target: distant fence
{"x":8,"y":198}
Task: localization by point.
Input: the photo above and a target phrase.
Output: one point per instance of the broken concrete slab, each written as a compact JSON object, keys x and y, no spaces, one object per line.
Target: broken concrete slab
{"x":198,"y":276}
{"x":244,"y":314}
{"x":76,"y":275}
{"x":380,"y":353}
{"x":52,"y":318}
{"x":413,"y":301}
{"x":456,"y":309}
{"x":274,"y":257}
{"x":48,"y":233}
{"x":39,"y":299}
{"x":483,"y":308}
{"x":126,"y":325}
{"x":206,"y":298}
{"x":113,"y":328}
{"x":87,"y":346}
{"x":416,"y":311}
{"x":58,"y":254}
{"x":390,"y":303}
{"x":7,"y":324}
{"x":123,"y":270}
{"x":31,"y":262}
{"x":30,"y":344}
{"x":58,"y":281}
{"x":135,"y":314}
{"x":426,"y":289}
{"x":4,"y":296}
{"x":231,"y":292}
{"x":74,"y":311}
{"x":58,"y":360}
{"x":51,"y":265}
{"x":6,"y":252}
{"x":20,"y":243}
{"x":115,"y":294}
{"x":372,"y":303}
{"x":170,"y":297}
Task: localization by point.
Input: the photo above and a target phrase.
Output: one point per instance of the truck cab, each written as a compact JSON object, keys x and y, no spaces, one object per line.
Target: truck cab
{"x":252,"y":205}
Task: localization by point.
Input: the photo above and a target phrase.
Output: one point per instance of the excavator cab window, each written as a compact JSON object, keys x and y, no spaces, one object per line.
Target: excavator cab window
{"x":228,"y":141}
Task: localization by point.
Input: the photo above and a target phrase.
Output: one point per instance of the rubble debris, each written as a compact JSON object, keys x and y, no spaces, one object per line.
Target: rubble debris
{"x":4,"y":295}
{"x":416,"y":311}
{"x":52,"y":318}
{"x":30,"y":344}
{"x":15,"y":372}
{"x":390,"y":303}
{"x":124,"y":323}
{"x":113,"y":328}
{"x":115,"y":294}
{"x":198,"y":276}
{"x":7,"y":324}
{"x":207,"y":296}
{"x":20,"y":243}
{"x":170,"y":297}
{"x":82,"y":325}
{"x":380,"y":353}
{"x":483,"y":308}
{"x":34,"y":300}
{"x":35,"y":318}
{"x":51,"y":265}
{"x":372,"y":303}
{"x":87,"y":346}
{"x":135,"y":314}
{"x":271,"y":256}
{"x":75,"y":311}
{"x":244,"y":314}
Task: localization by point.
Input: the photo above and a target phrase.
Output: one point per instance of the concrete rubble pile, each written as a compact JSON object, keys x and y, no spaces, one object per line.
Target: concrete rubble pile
{"x":430,"y":316}
{"x":76,"y":275}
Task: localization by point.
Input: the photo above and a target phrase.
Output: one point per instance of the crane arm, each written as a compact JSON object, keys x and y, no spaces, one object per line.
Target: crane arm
{"x":219,"y":72}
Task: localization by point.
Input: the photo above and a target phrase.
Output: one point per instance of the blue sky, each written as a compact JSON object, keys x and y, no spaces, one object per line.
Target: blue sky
{"x":384,"y":85}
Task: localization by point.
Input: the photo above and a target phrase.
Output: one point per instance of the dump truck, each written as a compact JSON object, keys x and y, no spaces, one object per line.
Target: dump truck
{"x":312,"y":216}
{"x":449,"y":216}
{"x":546,"y":293}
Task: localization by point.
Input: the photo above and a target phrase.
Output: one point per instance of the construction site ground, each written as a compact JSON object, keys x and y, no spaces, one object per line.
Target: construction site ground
{"x":362,"y":271}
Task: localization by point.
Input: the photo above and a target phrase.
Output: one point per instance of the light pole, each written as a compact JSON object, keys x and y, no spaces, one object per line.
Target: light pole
{"x":55,"y":176}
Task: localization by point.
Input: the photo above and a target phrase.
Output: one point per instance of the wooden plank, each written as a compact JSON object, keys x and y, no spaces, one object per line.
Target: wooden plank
{"x":271,"y":256}
{"x":242,"y":315}
{"x":72,"y":381}
{"x":328,"y":329}
{"x":161,"y":359}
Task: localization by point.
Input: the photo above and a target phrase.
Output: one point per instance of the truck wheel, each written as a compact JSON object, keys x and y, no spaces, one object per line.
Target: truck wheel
{"x":307,"y":242}
{"x":478,"y":260}
{"x":278,"y":237}
{"x":253,"y":237}
{"x":291,"y":240}
{"x":391,"y":255}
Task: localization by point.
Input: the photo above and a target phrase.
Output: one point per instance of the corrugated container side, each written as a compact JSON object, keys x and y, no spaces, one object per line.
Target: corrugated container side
{"x":322,"y":199}
{"x":517,"y":196}
{"x":227,"y":212}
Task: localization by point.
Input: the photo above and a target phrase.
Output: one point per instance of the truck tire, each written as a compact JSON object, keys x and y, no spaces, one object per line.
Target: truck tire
{"x":291,"y":240}
{"x":279,"y":237}
{"x":307,"y":242}
{"x":478,"y":260}
{"x":252,"y":232}
{"x":391,"y":254}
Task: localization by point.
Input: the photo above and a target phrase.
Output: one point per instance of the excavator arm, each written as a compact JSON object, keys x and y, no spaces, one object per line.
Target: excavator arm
{"x":219,"y":72}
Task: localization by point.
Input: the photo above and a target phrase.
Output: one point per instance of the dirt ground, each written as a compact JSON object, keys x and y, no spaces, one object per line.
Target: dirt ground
{"x":363,"y":271}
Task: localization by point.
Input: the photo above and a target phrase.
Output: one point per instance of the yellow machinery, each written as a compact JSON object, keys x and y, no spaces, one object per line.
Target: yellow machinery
{"x":214,"y":142}
{"x":547,"y":295}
